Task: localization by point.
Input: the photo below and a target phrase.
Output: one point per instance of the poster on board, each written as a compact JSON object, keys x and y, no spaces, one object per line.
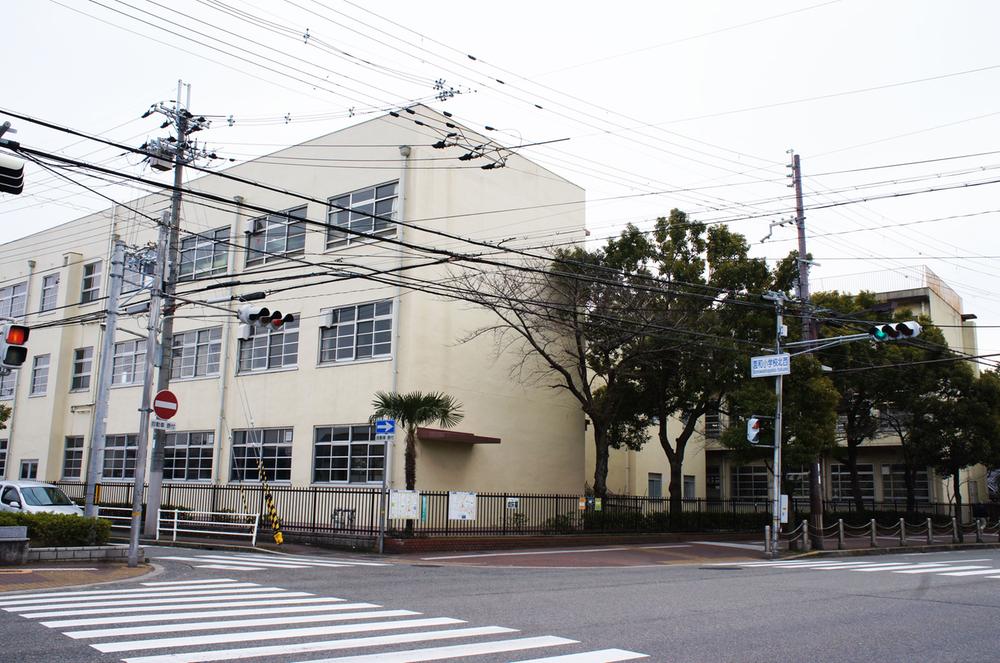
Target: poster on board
{"x":404,"y":504}
{"x":461,"y":506}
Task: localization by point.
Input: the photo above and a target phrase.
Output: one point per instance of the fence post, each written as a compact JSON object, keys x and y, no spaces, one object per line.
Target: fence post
{"x":874,"y":541}
{"x":159,"y":514}
{"x":767,"y":539}
{"x":954,"y":530}
{"x":840,"y":534}
{"x":176,"y":511}
{"x":256,"y":526}
{"x":902,"y":532}
{"x":930,"y":531}
{"x":979,"y":530}
{"x":805,"y":536}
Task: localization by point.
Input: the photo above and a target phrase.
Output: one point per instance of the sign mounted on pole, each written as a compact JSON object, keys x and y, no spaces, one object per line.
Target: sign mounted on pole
{"x":385,"y":429}
{"x":770,"y":365}
{"x":165,"y":404}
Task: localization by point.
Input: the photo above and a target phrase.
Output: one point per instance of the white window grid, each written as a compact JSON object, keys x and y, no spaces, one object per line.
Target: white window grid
{"x":204,"y":254}
{"x":39,"y":375}
{"x":83,"y":363}
{"x":90,"y":288}
{"x":840,"y":481}
{"x":73,"y":458}
{"x":3,"y":458}
{"x":119,"y":456}
{"x":13,"y":300}
{"x":50,"y":292}
{"x":270,"y":349}
{"x":276,"y":236}
{"x":196,"y":353}
{"x":29,"y":469}
{"x":272,"y":445}
{"x":7,"y":384}
{"x":749,"y":482}
{"x":347,"y":454}
{"x":128,"y":363}
{"x":370,"y":210}
{"x":894,"y":484}
{"x":187,"y":456}
{"x":357,"y":332}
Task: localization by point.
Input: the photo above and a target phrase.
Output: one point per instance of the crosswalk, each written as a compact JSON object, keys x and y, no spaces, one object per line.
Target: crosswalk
{"x":961,"y":568}
{"x":226,"y":619}
{"x":257,"y":561}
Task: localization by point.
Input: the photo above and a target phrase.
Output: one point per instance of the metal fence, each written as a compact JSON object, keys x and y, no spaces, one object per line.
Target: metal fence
{"x":321,"y":512}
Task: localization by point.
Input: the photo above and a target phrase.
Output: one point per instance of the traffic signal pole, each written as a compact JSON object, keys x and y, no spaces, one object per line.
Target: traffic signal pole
{"x":779,"y":333}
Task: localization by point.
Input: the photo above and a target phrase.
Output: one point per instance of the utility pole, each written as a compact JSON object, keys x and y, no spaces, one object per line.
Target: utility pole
{"x":95,"y":462}
{"x":779,"y":333}
{"x":182,"y":153}
{"x":809,"y":334}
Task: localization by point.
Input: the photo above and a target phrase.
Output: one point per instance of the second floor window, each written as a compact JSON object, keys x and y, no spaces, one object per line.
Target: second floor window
{"x":7,"y":383}
{"x":276,"y":236}
{"x":39,"y":375}
{"x":270,"y":349}
{"x":83,"y":361}
{"x":13,"y":300}
{"x":357,"y":332}
{"x":50,"y":292}
{"x":370,"y":211}
{"x":128,"y":364}
{"x":90,"y":289}
{"x":196,"y":353}
{"x":204,"y":254}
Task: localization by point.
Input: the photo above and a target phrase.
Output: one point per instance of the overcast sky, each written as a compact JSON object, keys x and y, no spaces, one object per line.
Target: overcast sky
{"x":692,"y":103}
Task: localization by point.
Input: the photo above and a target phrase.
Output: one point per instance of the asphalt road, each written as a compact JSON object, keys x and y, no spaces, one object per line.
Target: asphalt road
{"x":881,"y":608}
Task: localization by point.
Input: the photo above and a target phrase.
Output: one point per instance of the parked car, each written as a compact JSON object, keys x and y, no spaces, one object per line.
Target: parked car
{"x":35,"y":497}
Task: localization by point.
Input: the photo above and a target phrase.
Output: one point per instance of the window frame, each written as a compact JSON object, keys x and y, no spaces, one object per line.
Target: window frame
{"x":332,"y":333}
{"x":83,"y":368}
{"x":745,"y":482}
{"x":341,"y":214}
{"x":654,"y":479}
{"x":373,"y":471}
{"x":840,"y":482}
{"x":40,"y":365}
{"x":894,"y":484}
{"x":291,"y":226}
{"x":90,"y":284}
{"x":198,"y":245}
{"x":257,"y":438}
{"x":4,"y":447}
{"x":8,"y":382}
{"x":206,"y":440}
{"x":191,"y":351}
{"x":120,"y":351}
{"x":120,"y":458}
{"x":72,"y":457}
{"x":14,"y":300}
{"x":50,"y":293}
{"x":31,"y":465}
{"x":263,"y":342}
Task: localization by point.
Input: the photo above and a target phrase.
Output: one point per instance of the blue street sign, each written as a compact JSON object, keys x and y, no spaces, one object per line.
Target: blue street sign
{"x":385,"y":426}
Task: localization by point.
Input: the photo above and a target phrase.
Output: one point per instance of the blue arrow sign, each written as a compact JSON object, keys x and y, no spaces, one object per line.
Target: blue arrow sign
{"x":385,"y":426}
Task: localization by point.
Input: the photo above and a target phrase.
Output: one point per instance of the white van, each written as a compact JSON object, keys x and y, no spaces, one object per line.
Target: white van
{"x":35,"y":497}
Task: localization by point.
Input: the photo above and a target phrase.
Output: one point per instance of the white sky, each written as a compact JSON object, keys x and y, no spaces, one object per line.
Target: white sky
{"x":653,"y":97}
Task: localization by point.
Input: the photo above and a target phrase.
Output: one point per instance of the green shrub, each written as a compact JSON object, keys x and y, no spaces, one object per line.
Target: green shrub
{"x":559,"y":524}
{"x":49,"y":530}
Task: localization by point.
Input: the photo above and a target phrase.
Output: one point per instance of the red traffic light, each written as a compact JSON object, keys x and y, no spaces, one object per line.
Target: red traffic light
{"x":17,"y":334}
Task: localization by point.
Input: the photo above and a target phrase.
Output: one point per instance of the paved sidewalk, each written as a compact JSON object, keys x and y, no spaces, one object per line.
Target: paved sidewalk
{"x":50,"y":575}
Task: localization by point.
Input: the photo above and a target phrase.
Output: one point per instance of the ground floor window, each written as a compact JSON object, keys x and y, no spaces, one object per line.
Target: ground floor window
{"x":749,"y":482}
{"x":73,"y":458}
{"x":29,"y":468}
{"x":347,"y":453}
{"x":654,"y":485}
{"x":894,"y":484}
{"x":840,"y":481}
{"x":119,"y":456}
{"x":187,"y":456}
{"x":271,"y":447}
{"x":797,"y":476}
{"x":3,"y":458}
{"x":689,"y":487}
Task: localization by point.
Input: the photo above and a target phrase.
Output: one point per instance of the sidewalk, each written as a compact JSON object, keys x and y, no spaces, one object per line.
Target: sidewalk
{"x":47,"y":575}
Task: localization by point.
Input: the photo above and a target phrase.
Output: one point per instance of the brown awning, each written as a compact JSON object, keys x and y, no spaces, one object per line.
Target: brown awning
{"x":438,"y":435}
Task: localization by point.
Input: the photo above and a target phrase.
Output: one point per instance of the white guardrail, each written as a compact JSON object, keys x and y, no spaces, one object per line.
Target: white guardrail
{"x":120,"y":516}
{"x":174,"y":521}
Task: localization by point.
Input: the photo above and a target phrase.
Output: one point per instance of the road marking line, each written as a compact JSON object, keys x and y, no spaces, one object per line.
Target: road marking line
{"x":304,"y":558}
{"x":969,"y":573}
{"x":327,"y":645}
{"x":278,"y":564}
{"x":950,"y":568}
{"x":216,"y":624}
{"x":291,"y":597}
{"x":602,"y":656}
{"x":142,"y":591}
{"x":188,"y":582}
{"x":135,"y":599}
{"x":896,"y":567}
{"x":231,"y":563}
{"x":726,"y":544}
{"x":206,"y":614}
{"x":511,"y":554}
{"x":453,"y":651}
{"x":219,"y":638}
{"x":673,"y":545}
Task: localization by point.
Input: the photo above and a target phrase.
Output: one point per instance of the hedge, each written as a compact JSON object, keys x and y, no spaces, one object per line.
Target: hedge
{"x":50,"y":530}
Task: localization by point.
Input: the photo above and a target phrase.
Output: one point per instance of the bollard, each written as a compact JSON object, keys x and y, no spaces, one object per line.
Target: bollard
{"x":806,"y":543}
{"x":902,"y":532}
{"x":979,"y":530}
{"x":954,"y":530}
{"x":840,"y":534}
{"x":874,"y":541}
{"x":930,"y":531}
{"x":767,"y":539}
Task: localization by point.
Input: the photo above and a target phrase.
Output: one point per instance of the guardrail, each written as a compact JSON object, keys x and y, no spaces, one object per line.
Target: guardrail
{"x":900,"y":533}
{"x":120,"y":516}
{"x":210,"y":523}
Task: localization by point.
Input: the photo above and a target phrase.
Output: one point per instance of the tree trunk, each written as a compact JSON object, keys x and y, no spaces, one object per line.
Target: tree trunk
{"x":852,"y":467}
{"x":675,"y":456}
{"x":910,"y":480}
{"x":957,"y":486}
{"x":410,"y":468}
{"x":601,"y":461}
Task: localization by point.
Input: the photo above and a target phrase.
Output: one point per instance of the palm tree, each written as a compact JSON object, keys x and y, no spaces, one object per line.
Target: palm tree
{"x":412,"y":410}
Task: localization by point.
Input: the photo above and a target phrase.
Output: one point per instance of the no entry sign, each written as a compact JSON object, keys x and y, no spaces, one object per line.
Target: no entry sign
{"x":165,"y":404}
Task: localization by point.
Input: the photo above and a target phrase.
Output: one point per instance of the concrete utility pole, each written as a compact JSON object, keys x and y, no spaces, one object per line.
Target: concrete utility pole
{"x":779,"y":332}
{"x":95,"y":462}
{"x":809,"y":334}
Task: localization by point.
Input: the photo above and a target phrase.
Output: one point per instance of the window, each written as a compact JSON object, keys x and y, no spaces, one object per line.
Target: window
{"x":39,"y":375}
{"x":713,"y":482}
{"x":29,"y":469}
{"x":358,"y":211}
{"x":3,"y":458}
{"x":894,"y":484}
{"x":654,"y":485}
{"x":128,"y":363}
{"x":90,"y":290}
{"x":138,"y":272}
{"x":797,"y":476}
{"x":83,"y":362}
{"x":13,"y":299}
{"x":749,"y":482}
{"x":119,"y":456}
{"x":276,"y":236}
{"x":689,"y":487}
{"x":347,"y":453}
{"x":840,"y":481}
{"x":188,"y":456}
{"x":270,"y":349}
{"x":196,"y":353}
{"x":271,"y":446}
{"x":204,"y":254}
{"x":73,"y":458}
{"x":357,"y":332}
{"x":7,"y":384}
{"x":713,"y":424}
{"x":50,"y":292}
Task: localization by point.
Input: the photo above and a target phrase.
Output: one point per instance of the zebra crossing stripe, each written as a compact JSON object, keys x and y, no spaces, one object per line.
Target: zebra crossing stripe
{"x":453,"y":651}
{"x":57,"y":597}
{"x":220,"y":638}
{"x":207,"y":614}
{"x":936,"y":570}
{"x":232,"y":563}
{"x":961,"y":574}
{"x":277,"y":564}
{"x":188,"y":582}
{"x":939,"y":566}
{"x":326,"y":645}
{"x":134,"y":599}
{"x":194,"y":603}
{"x":304,"y":558}
{"x":602,"y":656}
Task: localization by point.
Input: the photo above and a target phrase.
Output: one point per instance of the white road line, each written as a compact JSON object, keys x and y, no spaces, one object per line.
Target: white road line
{"x":726,"y":544}
{"x":188,"y":582}
{"x":199,"y":604}
{"x":950,"y":568}
{"x":453,"y":651}
{"x":273,"y":563}
{"x":938,"y":566}
{"x":819,"y":565}
{"x":234,"y":623}
{"x":220,"y":638}
{"x":511,"y":554}
{"x":140,"y":592}
{"x":602,"y":656}
{"x":305,"y":558}
{"x":230,"y":567}
{"x":232,"y":562}
{"x":134,"y":599}
{"x":672,"y":545}
{"x":206,"y":614}
{"x":859,"y":565}
{"x":970,"y":573}
{"x":326,"y":645}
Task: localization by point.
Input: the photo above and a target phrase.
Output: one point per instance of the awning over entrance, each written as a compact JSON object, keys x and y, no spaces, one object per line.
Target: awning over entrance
{"x":438,"y":435}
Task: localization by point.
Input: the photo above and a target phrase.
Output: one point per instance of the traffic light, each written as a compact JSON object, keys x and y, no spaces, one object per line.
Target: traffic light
{"x":895,"y":330}
{"x":260,"y":316}
{"x":11,"y":174}
{"x":13,"y":345}
{"x":753,"y":430}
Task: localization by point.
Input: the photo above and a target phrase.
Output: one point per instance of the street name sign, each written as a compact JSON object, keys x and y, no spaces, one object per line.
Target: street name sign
{"x":770,"y":365}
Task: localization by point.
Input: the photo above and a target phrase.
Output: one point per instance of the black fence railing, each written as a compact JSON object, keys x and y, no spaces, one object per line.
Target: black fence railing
{"x":319,"y":512}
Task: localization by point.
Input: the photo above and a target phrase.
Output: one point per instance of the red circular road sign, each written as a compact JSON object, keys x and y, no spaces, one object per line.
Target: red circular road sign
{"x":165,"y":404}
